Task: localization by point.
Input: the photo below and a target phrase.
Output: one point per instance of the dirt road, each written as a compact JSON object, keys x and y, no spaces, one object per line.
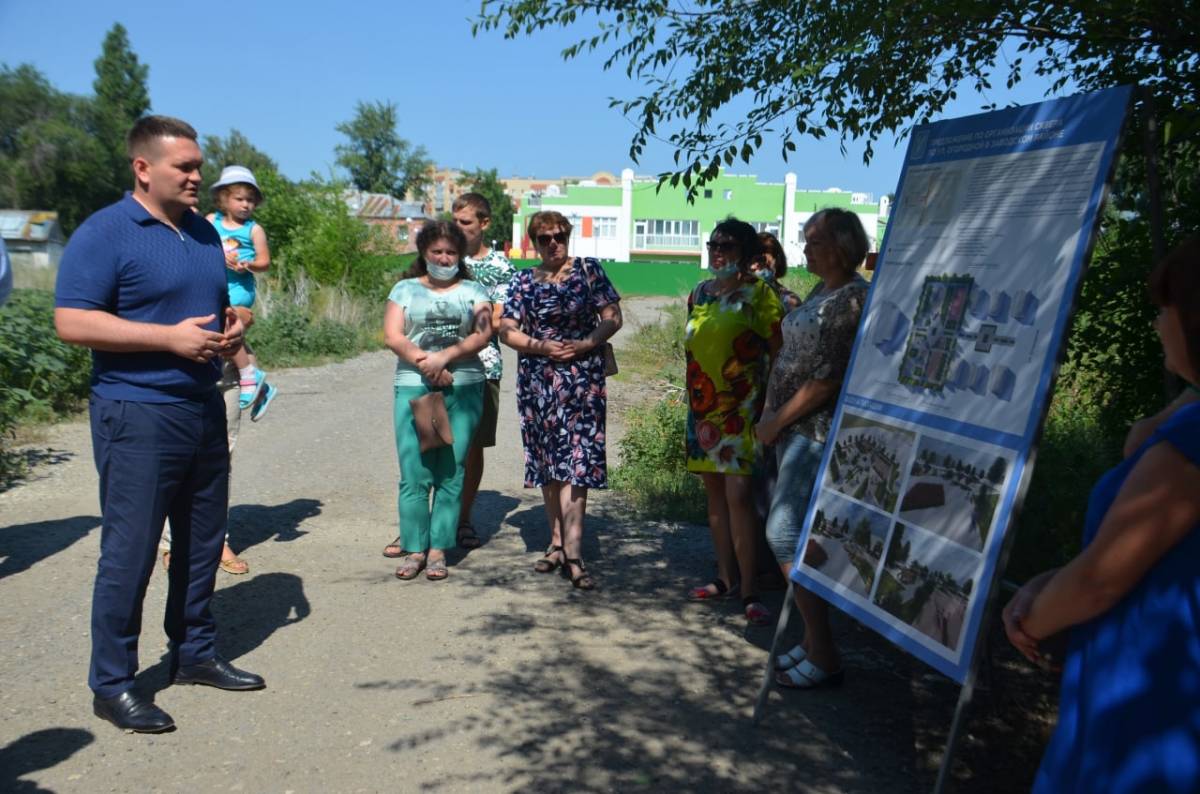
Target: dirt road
{"x":498,"y":679}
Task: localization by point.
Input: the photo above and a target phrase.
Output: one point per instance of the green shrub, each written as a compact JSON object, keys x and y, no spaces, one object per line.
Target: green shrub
{"x":40,"y":375}
{"x":307,"y":324}
{"x":657,"y":352}
{"x":1075,"y":450}
{"x":653,"y":471}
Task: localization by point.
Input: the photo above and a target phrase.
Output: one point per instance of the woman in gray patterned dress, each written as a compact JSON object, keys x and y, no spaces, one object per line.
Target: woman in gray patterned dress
{"x":806,"y":379}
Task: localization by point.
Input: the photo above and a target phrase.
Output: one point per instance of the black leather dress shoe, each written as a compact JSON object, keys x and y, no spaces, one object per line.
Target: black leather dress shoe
{"x":219,"y":673}
{"x":129,"y":712}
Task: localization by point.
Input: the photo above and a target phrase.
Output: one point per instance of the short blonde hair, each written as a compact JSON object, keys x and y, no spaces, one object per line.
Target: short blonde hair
{"x":547,"y":218}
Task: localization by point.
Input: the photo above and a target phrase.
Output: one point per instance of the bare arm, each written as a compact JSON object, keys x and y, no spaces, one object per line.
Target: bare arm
{"x":477,"y":340}
{"x":811,"y":396}
{"x":107,"y":332}
{"x":610,"y":322}
{"x":512,"y":335}
{"x":394,"y":338}
{"x":262,"y":251}
{"x":1158,"y":505}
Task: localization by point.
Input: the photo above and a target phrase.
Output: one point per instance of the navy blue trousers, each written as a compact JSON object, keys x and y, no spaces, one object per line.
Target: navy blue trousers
{"x":156,"y":460}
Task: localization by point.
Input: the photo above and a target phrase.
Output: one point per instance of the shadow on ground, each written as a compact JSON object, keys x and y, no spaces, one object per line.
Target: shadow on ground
{"x":22,"y":463}
{"x":38,"y":750}
{"x":24,"y":545}
{"x":250,"y":525}
{"x":671,"y":709}
{"x":247,"y":614}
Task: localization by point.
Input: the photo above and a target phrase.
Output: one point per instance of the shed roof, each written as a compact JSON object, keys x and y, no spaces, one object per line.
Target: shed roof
{"x":36,"y":226}
{"x":380,"y":205}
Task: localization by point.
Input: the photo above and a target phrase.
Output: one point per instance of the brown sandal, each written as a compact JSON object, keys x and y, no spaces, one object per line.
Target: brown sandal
{"x":394,"y":549}
{"x":235,"y":565}
{"x":549,"y":561}
{"x":584,"y":580}
{"x":467,"y":537}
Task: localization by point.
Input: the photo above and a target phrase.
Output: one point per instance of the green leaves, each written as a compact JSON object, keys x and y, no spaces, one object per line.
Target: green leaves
{"x":39,"y":374}
{"x":859,"y":70}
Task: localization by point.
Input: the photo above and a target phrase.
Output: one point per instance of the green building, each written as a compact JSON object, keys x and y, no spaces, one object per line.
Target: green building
{"x":636,"y":221}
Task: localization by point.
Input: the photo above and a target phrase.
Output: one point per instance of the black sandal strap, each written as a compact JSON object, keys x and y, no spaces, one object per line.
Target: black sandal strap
{"x":753,"y":598}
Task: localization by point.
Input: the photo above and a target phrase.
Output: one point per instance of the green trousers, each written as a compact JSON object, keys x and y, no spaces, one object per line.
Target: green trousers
{"x":424,"y":526}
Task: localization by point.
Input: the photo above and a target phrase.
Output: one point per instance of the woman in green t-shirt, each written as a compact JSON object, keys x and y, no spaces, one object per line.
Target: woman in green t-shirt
{"x":436,"y":322}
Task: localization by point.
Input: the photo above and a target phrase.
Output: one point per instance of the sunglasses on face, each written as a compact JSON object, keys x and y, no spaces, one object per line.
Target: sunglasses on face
{"x":560,"y":238}
{"x":724,"y":246}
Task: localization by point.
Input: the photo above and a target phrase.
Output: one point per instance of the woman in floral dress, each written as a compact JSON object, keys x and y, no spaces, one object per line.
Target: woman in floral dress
{"x":732,"y":332}
{"x":557,"y":317}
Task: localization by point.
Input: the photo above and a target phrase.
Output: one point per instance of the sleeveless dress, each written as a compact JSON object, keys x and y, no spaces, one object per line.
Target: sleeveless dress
{"x":561,"y":404}
{"x":1129,"y":711}
{"x":726,"y":351}
{"x":241,"y":286}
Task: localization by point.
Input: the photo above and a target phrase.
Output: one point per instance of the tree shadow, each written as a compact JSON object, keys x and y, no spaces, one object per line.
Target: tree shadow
{"x":644,"y":718}
{"x":531,"y":524}
{"x":647,"y":692}
{"x":494,"y":508}
{"x":24,"y":545}
{"x":247,"y":614}
{"x":38,"y":750}
{"x":250,"y":525}
{"x":19,"y":465}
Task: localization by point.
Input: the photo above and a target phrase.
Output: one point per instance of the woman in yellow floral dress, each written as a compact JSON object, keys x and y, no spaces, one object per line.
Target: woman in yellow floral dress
{"x":732,"y":333}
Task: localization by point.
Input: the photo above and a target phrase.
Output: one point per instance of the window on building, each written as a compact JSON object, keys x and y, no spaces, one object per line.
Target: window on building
{"x":707,"y":193}
{"x":666,"y":234}
{"x":729,"y":195}
{"x":605,"y":228}
{"x":771,"y":227}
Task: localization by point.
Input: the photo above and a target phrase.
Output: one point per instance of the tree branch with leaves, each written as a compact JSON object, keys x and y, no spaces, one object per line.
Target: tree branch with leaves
{"x":856,"y":70}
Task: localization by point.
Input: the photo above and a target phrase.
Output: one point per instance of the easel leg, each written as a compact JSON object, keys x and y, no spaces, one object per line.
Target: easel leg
{"x":960,"y":713}
{"x":769,"y":675}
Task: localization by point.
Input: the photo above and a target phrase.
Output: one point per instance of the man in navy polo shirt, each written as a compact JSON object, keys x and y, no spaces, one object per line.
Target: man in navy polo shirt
{"x":142,"y":283}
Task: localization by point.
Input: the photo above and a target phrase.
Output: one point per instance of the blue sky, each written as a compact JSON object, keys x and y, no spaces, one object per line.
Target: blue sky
{"x":286,"y":73}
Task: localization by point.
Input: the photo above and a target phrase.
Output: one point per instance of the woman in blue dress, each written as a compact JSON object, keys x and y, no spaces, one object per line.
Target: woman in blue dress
{"x":1129,"y":714}
{"x":557,"y":317}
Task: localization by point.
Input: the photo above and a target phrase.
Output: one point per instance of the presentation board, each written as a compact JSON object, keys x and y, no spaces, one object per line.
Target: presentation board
{"x":952,"y":367}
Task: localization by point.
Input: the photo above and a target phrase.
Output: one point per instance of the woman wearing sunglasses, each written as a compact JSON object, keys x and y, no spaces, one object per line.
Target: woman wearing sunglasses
{"x":557,"y":317}
{"x":732,"y":333}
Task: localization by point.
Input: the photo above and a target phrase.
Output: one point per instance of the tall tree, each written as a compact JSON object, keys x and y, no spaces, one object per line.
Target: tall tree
{"x":377,"y":158}
{"x":486,"y":182}
{"x":51,"y":155}
{"x":120,"y":83}
{"x":122,"y":97}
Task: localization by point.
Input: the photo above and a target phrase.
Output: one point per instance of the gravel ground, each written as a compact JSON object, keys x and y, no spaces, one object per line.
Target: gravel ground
{"x":498,"y":679}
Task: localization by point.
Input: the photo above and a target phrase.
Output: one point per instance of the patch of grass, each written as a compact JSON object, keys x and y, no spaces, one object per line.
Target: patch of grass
{"x":657,"y":352}
{"x":309,"y":324}
{"x":653,"y":471}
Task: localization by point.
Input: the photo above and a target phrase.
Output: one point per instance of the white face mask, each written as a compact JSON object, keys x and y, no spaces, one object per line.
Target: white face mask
{"x":441,"y":272}
{"x":728,"y":271}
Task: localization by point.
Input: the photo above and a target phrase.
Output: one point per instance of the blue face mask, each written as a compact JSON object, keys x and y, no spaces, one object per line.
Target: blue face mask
{"x":729,"y":271}
{"x":440,"y":272}
{"x":766,"y":275}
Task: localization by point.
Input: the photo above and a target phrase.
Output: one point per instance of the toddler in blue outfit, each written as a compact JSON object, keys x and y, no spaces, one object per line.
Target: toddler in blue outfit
{"x":237,"y":195}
